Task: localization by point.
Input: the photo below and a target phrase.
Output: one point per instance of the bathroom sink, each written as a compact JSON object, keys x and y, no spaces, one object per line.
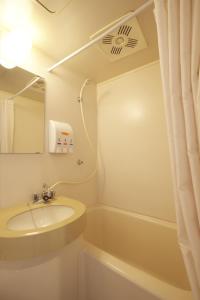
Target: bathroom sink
{"x":40,"y":217}
{"x":30,"y":230}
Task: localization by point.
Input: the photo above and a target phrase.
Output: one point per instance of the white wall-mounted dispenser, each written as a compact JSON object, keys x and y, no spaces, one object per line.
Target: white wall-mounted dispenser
{"x":60,"y":137}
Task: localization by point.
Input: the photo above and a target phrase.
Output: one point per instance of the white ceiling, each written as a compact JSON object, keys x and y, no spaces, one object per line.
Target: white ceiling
{"x":55,"y":6}
{"x":59,"y":34}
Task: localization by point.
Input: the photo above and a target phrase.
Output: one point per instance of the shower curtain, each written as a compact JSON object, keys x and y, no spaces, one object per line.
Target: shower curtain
{"x":178,"y":27}
{"x":6,"y":125}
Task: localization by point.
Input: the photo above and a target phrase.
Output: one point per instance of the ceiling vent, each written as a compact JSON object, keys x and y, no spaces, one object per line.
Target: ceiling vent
{"x":124,"y":41}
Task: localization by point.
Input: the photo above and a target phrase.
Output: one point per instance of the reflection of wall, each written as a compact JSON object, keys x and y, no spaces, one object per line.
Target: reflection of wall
{"x":29,"y":126}
{"x":133,"y":139}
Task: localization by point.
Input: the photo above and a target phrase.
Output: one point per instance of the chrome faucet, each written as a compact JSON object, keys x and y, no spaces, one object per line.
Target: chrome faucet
{"x":46,"y":195}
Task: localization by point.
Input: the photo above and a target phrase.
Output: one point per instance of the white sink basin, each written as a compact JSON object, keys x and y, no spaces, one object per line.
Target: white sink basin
{"x":29,"y":230}
{"x":40,"y":217}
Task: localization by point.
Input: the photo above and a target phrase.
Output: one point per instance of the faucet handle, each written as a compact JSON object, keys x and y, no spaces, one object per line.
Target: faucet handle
{"x":45,"y":187}
{"x":46,"y":195}
{"x":36,"y":197}
{"x":52,"y":194}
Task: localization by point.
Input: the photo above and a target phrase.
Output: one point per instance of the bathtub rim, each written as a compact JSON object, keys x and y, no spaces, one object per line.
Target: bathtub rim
{"x":168,"y":224}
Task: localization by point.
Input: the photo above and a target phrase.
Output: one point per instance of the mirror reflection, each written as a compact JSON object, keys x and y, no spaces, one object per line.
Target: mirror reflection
{"x":22,"y":104}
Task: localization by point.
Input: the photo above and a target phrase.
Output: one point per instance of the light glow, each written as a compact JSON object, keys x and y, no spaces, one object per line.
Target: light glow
{"x":15,"y":13}
{"x":14,"y":47}
{"x":134,"y":112}
{"x":16,"y":33}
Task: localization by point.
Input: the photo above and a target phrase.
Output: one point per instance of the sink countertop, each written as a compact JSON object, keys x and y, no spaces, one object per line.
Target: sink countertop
{"x":20,"y":244}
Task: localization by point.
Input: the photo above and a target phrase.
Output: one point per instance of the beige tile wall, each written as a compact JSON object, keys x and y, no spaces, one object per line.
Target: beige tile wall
{"x":133,"y":144}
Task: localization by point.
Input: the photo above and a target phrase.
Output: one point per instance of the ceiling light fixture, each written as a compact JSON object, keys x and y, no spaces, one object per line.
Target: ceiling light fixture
{"x":15,"y":45}
{"x":15,"y":32}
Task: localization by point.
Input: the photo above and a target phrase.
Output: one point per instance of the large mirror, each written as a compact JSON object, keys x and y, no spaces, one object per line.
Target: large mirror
{"x":22,"y":105}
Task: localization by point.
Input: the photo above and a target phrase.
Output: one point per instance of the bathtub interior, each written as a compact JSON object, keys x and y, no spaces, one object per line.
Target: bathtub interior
{"x":146,"y":243}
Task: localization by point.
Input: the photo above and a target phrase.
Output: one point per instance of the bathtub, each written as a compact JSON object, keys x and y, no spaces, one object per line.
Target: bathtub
{"x":128,"y":256}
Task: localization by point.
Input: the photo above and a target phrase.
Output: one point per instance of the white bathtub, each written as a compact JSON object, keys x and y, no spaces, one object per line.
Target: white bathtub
{"x":128,"y":256}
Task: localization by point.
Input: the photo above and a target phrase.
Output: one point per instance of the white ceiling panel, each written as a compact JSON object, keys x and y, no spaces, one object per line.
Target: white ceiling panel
{"x":55,"y":6}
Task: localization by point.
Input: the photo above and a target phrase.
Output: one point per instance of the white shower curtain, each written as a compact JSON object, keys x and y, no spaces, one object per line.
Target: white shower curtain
{"x":6,"y":125}
{"x":178,"y":26}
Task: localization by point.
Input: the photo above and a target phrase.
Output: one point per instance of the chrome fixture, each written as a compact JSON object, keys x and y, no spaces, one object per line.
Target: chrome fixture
{"x":79,"y":162}
{"x":46,"y":195}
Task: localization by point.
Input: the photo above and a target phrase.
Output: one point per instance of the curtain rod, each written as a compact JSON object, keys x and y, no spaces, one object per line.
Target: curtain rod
{"x":122,"y":20}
